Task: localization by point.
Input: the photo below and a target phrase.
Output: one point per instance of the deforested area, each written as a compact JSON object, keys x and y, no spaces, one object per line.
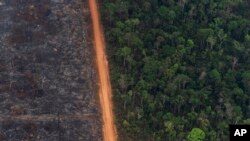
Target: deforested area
{"x":48,"y":84}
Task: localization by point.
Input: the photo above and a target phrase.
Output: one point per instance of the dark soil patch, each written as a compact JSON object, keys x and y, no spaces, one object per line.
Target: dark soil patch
{"x":47,"y":70}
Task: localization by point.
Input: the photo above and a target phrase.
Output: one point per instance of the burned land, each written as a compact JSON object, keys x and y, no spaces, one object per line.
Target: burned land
{"x":48,"y":84}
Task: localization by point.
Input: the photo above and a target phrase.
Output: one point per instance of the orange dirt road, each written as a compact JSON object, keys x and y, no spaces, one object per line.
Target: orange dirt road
{"x":105,"y":93}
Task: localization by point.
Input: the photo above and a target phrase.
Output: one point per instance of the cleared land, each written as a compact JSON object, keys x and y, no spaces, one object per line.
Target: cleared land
{"x":48,"y":87}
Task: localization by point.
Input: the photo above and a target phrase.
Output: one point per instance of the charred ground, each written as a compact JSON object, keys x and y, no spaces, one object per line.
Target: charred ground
{"x":47,"y":75}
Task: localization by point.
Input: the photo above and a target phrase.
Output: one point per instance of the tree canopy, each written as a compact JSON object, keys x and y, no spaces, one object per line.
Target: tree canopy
{"x":179,"y":69}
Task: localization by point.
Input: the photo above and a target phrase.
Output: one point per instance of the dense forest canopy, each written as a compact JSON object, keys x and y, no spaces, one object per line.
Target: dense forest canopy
{"x":180,"y":68}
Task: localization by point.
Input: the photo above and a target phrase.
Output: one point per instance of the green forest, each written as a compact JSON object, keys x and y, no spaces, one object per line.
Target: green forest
{"x":180,"y":69}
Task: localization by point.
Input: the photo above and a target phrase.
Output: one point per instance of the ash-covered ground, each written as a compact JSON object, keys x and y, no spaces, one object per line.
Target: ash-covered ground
{"x":47,"y":72}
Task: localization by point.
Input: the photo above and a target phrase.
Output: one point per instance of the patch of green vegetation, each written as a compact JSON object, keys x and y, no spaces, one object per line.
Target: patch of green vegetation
{"x":176,"y":65}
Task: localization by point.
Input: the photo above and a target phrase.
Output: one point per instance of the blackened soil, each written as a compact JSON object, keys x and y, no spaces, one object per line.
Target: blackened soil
{"x":47,"y":75}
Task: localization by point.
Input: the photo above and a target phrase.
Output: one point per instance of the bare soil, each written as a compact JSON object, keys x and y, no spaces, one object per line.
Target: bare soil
{"x":105,"y":91}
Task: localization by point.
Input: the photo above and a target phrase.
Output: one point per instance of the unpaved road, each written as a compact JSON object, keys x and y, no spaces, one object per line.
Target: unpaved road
{"x":105,"y":95}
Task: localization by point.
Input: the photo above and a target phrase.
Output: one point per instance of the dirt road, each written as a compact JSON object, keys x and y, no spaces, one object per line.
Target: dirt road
{"x":105,"y":95}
